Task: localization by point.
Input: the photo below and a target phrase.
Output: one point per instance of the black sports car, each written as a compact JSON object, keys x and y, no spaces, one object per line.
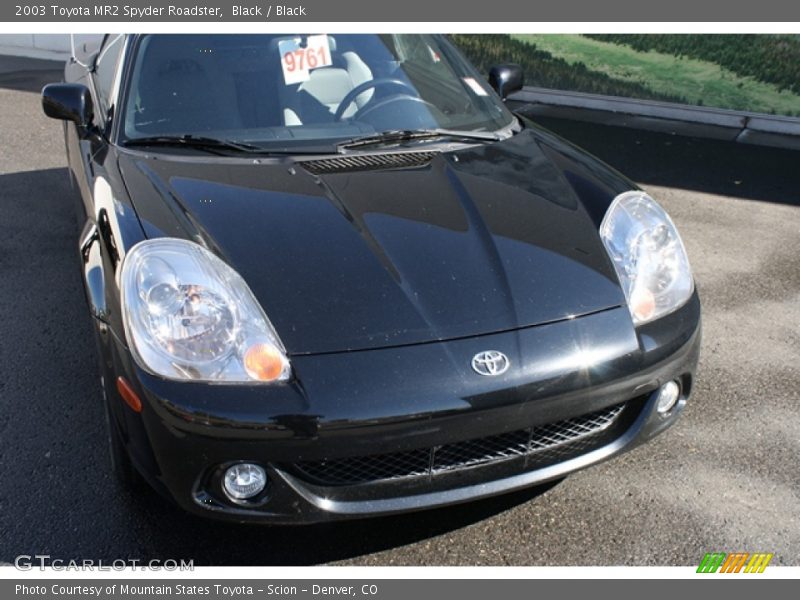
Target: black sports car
{"x":334,"y":276}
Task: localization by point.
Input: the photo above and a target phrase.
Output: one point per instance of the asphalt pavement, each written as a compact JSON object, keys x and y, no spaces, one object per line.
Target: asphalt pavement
{"x":725,"y":478}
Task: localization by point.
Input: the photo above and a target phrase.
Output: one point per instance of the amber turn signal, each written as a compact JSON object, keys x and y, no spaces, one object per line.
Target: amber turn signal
{"x":263,"y":362}
{"x":644,"y":304}
{"x":130,"y":397}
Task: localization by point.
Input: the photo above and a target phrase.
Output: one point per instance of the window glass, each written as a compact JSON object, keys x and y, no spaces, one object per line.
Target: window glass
{"x":287,"y":88}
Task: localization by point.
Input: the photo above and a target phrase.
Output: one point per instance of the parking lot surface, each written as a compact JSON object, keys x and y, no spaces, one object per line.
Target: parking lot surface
{"x":725,"y":478}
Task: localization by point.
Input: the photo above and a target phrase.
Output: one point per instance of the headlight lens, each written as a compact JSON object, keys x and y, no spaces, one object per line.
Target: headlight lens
{"x":648,"y":255}
{"x":188,"y":315}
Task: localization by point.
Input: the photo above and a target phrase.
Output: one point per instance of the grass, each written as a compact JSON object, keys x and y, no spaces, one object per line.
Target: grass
{"x":700,"y":82}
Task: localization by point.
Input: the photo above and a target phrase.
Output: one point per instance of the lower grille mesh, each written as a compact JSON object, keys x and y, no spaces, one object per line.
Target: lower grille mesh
{"x":539,"y":445}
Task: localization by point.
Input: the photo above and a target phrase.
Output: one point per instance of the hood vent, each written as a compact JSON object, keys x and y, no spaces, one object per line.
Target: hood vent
{"x":367,"y":162}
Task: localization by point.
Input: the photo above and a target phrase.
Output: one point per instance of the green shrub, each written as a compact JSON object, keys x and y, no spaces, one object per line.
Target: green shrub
{"x":769,"y":58}
{"x":542,"y":69}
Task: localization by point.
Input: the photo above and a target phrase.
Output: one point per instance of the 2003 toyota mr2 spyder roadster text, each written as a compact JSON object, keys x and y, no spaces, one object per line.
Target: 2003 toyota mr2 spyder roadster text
{"x":334,"y":276}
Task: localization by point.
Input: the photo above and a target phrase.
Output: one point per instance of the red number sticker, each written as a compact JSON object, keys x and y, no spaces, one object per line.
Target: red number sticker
{"x":297,"y":60}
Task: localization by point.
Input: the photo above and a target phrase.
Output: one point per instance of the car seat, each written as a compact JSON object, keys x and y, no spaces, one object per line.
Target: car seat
{"x":316,"y":99}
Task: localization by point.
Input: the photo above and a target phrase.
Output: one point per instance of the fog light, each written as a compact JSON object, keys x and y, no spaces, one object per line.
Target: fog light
{"x":667,"y":397}
{"x":244,"y":480}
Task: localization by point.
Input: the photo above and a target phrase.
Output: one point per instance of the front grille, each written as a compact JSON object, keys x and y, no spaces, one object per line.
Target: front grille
{"x":367,"y":162}
{"x":537,"y":446}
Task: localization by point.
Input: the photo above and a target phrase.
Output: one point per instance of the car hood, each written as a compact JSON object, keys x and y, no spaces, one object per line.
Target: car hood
{"x":473,"y":241}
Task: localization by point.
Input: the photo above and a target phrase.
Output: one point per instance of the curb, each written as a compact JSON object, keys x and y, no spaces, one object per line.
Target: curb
{"x":665,"y":117}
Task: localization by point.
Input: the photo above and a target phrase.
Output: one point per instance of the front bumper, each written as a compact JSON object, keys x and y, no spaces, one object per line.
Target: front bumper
{"x":398,"y":401}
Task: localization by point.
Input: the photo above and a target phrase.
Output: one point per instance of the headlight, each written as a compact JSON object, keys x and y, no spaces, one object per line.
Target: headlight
{"x":188,"y":315}
{"x":648,"y":255}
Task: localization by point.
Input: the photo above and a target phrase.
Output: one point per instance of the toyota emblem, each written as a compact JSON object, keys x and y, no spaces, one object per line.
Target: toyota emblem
{"x":490,"y":363}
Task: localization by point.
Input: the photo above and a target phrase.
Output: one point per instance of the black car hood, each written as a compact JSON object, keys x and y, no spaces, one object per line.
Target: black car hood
{"x":485,"y":239}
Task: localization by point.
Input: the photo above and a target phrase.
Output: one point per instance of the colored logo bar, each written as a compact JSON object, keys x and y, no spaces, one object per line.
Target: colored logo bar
{"x":736,"y":562}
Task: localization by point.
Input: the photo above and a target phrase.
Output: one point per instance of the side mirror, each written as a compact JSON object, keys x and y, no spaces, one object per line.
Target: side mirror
{"x":506,"y":79}
{"x":68,"y":102}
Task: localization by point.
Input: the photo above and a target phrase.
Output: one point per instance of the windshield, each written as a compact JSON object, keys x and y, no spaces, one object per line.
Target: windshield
{"x":294,"y":90}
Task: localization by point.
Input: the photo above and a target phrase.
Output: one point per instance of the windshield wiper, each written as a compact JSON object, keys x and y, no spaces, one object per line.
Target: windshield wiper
{"x":193,"y":141}
{"x":221,"y":146}
{"x":401,"y":135}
